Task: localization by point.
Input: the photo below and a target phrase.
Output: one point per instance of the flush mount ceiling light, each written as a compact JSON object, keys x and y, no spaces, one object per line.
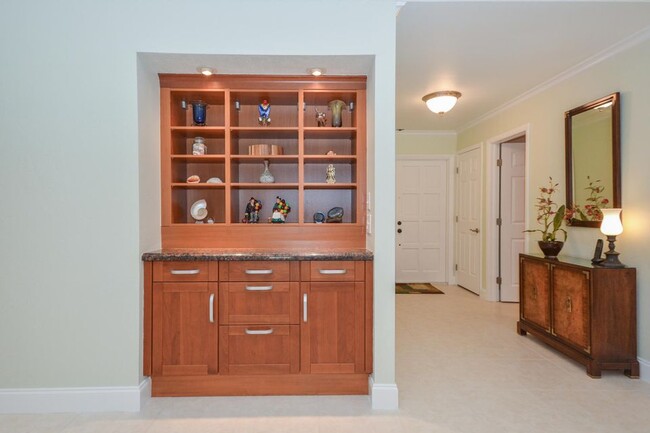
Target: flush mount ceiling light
{"x":441,"y":102}
{"x":316,"y":72}
{"x":205,"y":70}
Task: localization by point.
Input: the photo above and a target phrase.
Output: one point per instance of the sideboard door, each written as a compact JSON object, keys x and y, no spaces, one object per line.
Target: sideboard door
{"x":571,"y":306}
{"x":535,"y":291}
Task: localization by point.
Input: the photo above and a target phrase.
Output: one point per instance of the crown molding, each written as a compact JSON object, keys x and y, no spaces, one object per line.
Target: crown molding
{"x":425,"y":132}
{"x":623,"y":45}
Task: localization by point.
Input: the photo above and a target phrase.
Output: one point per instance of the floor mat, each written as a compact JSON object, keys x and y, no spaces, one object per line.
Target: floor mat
{"x":417,"y":288}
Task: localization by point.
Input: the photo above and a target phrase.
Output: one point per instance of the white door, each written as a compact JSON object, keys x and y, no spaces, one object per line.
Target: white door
{"x":513,"y":210}
{"x":468,"y":208}
{"x":421,"y":221}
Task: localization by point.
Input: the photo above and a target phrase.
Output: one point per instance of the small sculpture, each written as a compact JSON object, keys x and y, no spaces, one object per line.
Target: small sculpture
{"x":252,"y":213}
{"x":330,"y":153}
{"x":280,"y":211}
{"x":199,"y":112}
{"x":199,"y":210}
{"x":319,"y":218}
{"x":199,"y":147}
{"x":193,"y":179}
{"x":335,"y":215}
{"x":264,"y":110}
{"x":321,"y":117}
{"x":214,"y":180}
{"x":331,"y":174}
{"x":266,"y":176}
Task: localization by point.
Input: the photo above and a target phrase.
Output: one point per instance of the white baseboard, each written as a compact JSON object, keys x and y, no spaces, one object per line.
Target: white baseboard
{"x":644,"y":369}
{"x":51,"y":400}
{"x":384,"y":396}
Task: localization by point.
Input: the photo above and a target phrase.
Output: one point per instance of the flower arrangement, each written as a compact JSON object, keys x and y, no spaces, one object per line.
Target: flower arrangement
{"x":549,"y":215}
{"x":595,"y":202}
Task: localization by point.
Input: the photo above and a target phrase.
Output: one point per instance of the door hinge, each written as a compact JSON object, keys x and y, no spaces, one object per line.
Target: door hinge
{"x":455,"y":267}
{"x":499,"y":222}
{"x":456,"y":218}
{"x":456,"y":170}
{"x":499,"y":162}
{"x":499,"y":280}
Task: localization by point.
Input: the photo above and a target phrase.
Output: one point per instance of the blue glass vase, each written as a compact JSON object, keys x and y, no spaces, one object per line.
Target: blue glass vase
{"x":199,"y":112}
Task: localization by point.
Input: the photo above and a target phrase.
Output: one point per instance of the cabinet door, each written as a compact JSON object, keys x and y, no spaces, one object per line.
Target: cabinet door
{"x":185,"y":329}
{"x":571,"y":306}
{"x":534,"y":296}
{"x":332,"y":327}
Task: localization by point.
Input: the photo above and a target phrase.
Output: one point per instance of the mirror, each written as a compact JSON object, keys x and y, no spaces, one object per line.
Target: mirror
{"x":593,"y":163}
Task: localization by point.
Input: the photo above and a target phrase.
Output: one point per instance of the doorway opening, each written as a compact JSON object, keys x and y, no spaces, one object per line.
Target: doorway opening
{"x":507,"y":212}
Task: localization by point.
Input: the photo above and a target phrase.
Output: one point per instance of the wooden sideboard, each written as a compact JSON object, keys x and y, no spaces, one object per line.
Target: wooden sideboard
{"x":586,"y":312}
{"x":258,"y":327}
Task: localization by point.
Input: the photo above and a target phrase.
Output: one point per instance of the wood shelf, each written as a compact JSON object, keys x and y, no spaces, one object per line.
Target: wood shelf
{"x":300,"y":172}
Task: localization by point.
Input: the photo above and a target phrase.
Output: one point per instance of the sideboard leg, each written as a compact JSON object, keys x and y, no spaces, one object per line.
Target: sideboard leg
{"x":593,"y":370}
{"x":633,"y":371}
{"x":519,"y":330}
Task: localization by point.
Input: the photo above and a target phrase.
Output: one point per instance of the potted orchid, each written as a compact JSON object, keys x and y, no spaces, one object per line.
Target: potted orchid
{"x":550,"y":216}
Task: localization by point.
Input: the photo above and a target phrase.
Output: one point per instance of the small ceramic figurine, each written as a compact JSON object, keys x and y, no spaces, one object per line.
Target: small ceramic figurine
{"x":330,"y":153}
{"x":331,"y":174}
{"x":280,"y":210}
{"x":321,"y":117}
{"x":199,"y":147}
{"x":264,"y":110}
{"x":252,"y":213}
{"x":319,"y":218}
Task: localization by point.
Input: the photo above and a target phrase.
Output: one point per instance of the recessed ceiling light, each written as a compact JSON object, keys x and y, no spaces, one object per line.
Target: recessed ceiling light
{"x":205,"y":70}
{"x":316,"y":72}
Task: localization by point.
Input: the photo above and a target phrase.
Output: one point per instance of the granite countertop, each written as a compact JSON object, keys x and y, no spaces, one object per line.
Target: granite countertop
{"x":234,"y":254}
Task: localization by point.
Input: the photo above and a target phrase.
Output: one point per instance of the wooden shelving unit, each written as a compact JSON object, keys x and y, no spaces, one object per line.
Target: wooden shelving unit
{"x":300,"y":172}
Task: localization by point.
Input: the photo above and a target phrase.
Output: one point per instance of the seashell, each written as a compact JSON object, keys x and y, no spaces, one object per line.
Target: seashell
{"x":331,"y":152}
{"x":193,"y":179}
{"x":199,"y":209}
{"x":214,"y":180}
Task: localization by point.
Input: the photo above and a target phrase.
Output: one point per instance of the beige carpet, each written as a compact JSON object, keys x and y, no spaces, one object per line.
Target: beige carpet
{"x":417,"y":288}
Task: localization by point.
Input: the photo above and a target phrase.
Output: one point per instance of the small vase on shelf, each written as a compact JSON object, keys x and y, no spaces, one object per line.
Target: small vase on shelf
{"x":266,"y":176}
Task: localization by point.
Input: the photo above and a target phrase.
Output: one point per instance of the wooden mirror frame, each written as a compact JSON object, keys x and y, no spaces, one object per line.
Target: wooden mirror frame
{"x":616,"y":153}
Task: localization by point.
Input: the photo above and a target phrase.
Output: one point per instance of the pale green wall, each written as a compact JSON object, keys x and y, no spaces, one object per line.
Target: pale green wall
{"x":592,"y":153}
{"x":409,"y":143}
{"x":628,"y":73}
{"x":80,"y":191}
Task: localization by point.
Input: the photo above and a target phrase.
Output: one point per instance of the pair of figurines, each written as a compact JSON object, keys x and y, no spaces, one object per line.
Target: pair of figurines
{"x":252,"y":213}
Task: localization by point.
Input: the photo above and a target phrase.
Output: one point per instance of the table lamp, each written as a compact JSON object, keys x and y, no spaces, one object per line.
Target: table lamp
{"x":611,"y":226}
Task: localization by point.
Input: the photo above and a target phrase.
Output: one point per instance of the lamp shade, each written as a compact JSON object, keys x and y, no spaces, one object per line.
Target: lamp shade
{"x":611,"y":225}
{"x":441,"y":102}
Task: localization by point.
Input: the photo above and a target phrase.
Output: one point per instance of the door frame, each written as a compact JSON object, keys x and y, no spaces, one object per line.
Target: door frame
{"x":481,"y":194}
{"x":450,"y":161}
{"x":491,"y":232}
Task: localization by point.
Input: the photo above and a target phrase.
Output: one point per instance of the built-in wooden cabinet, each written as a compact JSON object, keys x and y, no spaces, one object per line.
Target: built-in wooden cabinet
{"x":585,"y":311}
{"x":300,"y":172}
{"x":255,"y":327}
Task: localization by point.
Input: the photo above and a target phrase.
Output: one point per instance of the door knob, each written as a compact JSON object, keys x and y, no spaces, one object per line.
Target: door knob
{"x":474,"y":230}
{"x":399,"y":230}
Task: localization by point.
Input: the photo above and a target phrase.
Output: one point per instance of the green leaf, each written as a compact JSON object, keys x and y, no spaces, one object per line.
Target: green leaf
{"x":559,"y":217}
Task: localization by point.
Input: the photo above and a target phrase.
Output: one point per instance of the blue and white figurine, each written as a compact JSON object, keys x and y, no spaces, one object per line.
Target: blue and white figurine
{"x":264,"y":110}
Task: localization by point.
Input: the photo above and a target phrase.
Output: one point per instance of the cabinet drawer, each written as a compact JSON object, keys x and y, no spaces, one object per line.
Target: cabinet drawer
{"x":182,"y":271}
{"x":259,"y":303}
{"x":334,"y":271}
{"x":259,"y":271}
{"x":269,"y":349}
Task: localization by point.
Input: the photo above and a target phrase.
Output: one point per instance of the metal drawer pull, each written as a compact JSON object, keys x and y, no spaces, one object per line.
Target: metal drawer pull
{"x":259,"y":288}
{"x":259,"y":331}
{"x":212,"y":308}
{"x":569,"y":305}
{"x":258,"y":271}
{"x":333,"y":271}
{"x":304,"y":308}
{"x":185,"y":271}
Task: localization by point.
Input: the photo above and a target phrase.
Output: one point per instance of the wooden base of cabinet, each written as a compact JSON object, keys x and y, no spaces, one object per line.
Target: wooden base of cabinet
{"x":289,"y":384}
{"x":594,"y":367}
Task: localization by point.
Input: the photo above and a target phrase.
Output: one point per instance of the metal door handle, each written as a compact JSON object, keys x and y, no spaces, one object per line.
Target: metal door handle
{"x":473,"y":230}
{"x":259,"y":271}
{"x":333,"y":271}
{"x":259,"y":288}
{"x":212,"y":308}
{"x":259,"y":331}
{"x":304,"y":308}
{"x":569,"y":305}
{"x":185,"y":271}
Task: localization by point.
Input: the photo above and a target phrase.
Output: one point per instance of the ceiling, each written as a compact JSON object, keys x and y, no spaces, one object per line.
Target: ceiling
{"x":493,"y":52}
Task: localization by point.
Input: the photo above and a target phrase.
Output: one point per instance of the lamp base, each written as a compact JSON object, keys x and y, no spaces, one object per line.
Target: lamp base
{"x":611,"y":256}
